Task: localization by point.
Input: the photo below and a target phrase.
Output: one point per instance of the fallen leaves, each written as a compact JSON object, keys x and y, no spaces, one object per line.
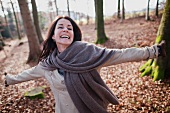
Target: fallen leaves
{"x":136,"y":94}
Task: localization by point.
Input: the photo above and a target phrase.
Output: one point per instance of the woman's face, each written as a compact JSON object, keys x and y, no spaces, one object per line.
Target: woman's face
{"x":63,"y":33}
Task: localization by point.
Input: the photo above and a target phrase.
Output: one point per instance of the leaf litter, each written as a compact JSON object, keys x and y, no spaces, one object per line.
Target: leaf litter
{"x":136,"y":94}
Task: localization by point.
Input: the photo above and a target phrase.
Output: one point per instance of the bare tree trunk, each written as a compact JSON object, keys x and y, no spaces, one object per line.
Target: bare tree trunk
{"x":87,"y":12}
{"x":147,"y":12}
{"x":157,"y":10}
{"x":101,"y":36}
{"x":118,"y":10}
{"x":95,"y":6}
{"x":50,"y":4}
{"x":56,"y":7}
{"x":6,"y":19}
{"x":16,"y":21}
{"x":34,"y":46}
{"x":36,"y":21}
{"x":123,"y":11}
{"x":68,"y":8}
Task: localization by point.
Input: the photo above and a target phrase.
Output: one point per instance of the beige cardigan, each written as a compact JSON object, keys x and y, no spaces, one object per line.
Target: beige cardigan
{"x":63,"y":102}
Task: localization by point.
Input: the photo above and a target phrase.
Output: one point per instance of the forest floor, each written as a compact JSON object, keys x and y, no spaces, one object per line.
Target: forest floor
{"x":136,"y":94}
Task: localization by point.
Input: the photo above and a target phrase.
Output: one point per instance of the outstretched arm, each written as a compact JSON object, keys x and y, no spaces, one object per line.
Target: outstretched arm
{"x":136,"y":54}
{"x":26,"y":75}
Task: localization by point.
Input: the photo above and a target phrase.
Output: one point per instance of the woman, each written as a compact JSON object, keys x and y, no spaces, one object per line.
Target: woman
{"x":71,"y":67}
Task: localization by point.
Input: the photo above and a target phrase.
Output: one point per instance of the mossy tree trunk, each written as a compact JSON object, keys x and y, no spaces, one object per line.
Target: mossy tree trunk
{"x":159,"y":68}
{"x":101,"y":36}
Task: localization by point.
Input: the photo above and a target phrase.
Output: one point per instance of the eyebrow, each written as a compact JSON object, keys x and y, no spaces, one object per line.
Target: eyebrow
{"x":62,"y":24}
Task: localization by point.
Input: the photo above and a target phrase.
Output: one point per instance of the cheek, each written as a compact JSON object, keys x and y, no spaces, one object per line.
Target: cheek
{"x":56,"y":35}
{"x":72,"y":35}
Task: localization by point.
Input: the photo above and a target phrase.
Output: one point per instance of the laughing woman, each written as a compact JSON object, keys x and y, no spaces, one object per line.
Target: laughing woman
{"x":72,"y":68}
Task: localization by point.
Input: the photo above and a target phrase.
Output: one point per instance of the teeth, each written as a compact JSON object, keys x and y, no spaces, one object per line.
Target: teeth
{"x":65,"y":36}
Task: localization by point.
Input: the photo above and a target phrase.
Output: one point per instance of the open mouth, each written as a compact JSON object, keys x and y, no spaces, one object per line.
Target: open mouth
{"x":65,"y":36}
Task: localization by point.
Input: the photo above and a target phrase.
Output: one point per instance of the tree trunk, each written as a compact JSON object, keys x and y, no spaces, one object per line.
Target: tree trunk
{"x":95,"y":6}
{"x":157,"y":10}
{"x":6,"y":22}
{"x":123,"y":10}
{"x":160,"y":66}
{"x":68,"y":8}
{"x":16,"y":21}
{"x":118,"y":10}
{"x":34,"y":46}
{"x":101,"y":36}
{"x":36,"y":21}
{"x":56,"y":7}
{"x":147,"y":12}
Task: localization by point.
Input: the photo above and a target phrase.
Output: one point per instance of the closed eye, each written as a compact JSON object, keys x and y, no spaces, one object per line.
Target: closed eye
{"x":60,"y":27}
{"x":69,"y":28}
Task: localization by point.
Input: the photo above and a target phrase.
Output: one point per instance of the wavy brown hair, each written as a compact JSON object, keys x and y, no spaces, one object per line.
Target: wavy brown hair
{"x":49,"y":45}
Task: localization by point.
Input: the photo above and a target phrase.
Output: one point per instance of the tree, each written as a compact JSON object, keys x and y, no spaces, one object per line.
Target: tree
{"x":159,"y":67}
{"x":55,"y":1}
{"x":50,"y":4}
{"x":88,"y":17}
{"x":123,"y":11}
{"x":36,"y":21}
{"x":5,"y":19}
{"x":147,"y":12}
{"x":68,"y":8}
{"x":156,"y":9}
{"x":101,"y":36}
{"x":42,"y":20}
{"x":118,"y":10}
{"x":11,"y":22}
{"x":16,"y":21}
{"x":34,"y":46}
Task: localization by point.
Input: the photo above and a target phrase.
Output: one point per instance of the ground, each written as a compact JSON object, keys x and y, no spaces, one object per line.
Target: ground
{"x":136,"y":94}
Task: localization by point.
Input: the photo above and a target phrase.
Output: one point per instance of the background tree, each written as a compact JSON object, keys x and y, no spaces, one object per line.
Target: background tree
{"x":50,"y":5}
{"x":123,"y":11}
{"x":87,"y":17}
{"x":34,"y":46}
{"x":147,"y":17}
{"x":42,"y":21}
{"x":6,"y":21}
{"x":101,"y":36}
{"x":11,"y":22}
{"x":16,"y":21}
{"x":118,"y":10}
{"x":160,"y":67}
{"x":157,"y":8}
{"x":36,"y":21}
{"x":55,"y":1}
{"x":68,"y":8}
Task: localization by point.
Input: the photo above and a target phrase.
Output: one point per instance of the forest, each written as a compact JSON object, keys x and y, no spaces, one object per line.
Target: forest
{"x":141,"y":87}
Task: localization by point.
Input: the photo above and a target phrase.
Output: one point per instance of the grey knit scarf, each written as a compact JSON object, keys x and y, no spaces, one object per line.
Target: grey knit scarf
{"x":86,"y":88}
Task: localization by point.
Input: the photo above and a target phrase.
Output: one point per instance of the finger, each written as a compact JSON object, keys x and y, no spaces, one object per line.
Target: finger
{"x":5,"y":73}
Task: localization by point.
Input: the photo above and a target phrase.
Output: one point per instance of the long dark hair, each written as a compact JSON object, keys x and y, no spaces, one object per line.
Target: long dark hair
{"x":49,"y":45}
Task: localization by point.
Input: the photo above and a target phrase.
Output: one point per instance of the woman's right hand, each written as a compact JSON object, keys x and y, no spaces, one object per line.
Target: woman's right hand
{"x":6,"y":85}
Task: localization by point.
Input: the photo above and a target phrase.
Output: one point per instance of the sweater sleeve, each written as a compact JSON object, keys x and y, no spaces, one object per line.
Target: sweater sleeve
{"x":131,"y":55}
{"x":26,"y":75}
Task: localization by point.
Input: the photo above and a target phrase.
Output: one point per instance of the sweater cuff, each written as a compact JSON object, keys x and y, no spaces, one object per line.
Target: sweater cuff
{"x":152,"y":52}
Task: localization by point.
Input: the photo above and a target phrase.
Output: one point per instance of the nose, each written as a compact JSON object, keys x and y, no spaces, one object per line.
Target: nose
{"x":65,"y":29}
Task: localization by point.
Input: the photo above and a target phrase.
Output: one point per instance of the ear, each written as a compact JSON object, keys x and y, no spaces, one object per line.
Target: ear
{"x":53,"y":37}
